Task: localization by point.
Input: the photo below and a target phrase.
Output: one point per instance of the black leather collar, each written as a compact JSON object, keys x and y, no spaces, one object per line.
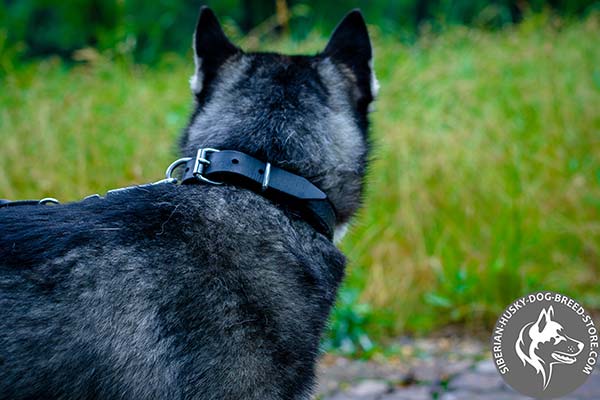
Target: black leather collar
{"x":294,"y":193}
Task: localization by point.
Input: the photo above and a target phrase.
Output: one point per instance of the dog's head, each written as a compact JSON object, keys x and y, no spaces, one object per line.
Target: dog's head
{"x":544,"y":343}
{"x":307,"y":114}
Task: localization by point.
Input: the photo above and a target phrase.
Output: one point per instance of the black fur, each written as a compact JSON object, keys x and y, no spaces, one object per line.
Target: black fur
{"x":192,"y":292}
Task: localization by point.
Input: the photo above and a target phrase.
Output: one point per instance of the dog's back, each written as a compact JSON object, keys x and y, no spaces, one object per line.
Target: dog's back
{"x":146,"y":293}
{"x":196,"y":291}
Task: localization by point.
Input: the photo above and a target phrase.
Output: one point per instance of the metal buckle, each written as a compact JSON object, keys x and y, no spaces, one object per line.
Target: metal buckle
{"x":201,"y":162}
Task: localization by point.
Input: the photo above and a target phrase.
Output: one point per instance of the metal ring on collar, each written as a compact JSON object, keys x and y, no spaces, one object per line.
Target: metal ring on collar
{"x":48,"y":200}
{"x":174,"y":165}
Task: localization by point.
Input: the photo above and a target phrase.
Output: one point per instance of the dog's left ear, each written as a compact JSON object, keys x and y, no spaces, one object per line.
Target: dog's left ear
{"x":350,"y":46}
{"x":211,"y":49}
{"x":544,"y":318}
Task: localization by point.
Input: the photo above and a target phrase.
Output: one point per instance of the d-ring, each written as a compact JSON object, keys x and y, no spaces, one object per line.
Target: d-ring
{"x":175,"y":164}
{"x":48,"y":200}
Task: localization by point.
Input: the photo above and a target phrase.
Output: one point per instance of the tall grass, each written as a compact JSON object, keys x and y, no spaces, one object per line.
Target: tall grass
{"x":486,"y":176}
{"x":487,"y":182}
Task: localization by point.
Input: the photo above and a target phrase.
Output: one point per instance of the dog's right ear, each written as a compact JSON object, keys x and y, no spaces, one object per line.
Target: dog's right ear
{"x":211,"y":49}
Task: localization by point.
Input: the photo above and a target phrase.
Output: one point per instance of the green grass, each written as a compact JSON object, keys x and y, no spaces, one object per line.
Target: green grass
{"x":485,"y":184}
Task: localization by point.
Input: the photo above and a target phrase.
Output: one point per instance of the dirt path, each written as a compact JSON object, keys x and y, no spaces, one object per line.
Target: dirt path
{"x":440,"y":369}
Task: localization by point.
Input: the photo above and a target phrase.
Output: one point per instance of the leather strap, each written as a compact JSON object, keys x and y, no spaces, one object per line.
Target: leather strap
{"x":294,"y":193}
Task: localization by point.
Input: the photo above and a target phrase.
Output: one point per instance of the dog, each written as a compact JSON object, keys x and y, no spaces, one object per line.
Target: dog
{"x":199,"y":291}
{"x":544,"y":343}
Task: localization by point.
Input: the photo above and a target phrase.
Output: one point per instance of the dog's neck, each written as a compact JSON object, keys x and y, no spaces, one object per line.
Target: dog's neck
{"x":294,"y":194}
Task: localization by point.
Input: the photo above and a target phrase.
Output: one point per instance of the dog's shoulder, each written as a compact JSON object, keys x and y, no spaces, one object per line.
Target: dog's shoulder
{"x":210,"y":220}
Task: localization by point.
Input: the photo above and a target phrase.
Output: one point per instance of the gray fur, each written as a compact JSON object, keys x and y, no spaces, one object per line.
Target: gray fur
{"x":199,"y":291}
{"x":318,"y":140}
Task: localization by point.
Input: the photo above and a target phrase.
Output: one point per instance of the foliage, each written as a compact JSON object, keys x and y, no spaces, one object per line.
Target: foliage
{"x":43,"y":27}
{"x":350,"y":321}
{"x":485,"y":183}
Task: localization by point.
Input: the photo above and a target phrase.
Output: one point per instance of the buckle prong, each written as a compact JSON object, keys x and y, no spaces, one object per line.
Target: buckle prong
{"x":202,"y":162}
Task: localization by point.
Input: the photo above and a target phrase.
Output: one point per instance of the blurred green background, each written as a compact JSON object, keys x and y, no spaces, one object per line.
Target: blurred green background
{"x":486,"y":178}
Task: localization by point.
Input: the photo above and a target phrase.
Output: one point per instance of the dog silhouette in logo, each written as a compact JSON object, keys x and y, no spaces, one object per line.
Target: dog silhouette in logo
{"x":544,"y":343}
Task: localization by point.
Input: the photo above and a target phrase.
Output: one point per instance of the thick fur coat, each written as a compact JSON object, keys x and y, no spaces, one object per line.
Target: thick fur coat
{"x":196,"y":291}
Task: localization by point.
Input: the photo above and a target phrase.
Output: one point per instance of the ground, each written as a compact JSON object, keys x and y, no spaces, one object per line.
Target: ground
{"x":436,"y":369}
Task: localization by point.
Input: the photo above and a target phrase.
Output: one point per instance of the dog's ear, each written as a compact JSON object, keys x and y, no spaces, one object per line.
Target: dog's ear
{"x":211,"y":49}
{"x":544,"y":318}
{"x":350,"y":46}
